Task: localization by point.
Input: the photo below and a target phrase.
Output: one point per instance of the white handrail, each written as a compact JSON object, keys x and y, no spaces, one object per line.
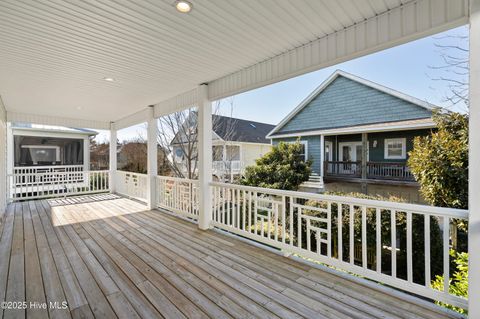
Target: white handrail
{"x":25,"y":186}
{"x":356,"y":235}
{"x":178,"y":195}
{"x":404,"y":207}
{"x":133,"y":185}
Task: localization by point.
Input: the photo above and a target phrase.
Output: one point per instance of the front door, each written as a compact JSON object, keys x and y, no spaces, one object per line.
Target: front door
{"x":350,"y":152}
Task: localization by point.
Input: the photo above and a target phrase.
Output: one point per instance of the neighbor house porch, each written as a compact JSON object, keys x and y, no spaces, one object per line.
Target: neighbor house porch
{"x":109,"y":256}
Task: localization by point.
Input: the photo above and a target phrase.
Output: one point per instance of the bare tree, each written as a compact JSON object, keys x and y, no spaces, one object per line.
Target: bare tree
{"x":227,"y":126}
{"x":454,"y":69}
{"x":177,"y":135}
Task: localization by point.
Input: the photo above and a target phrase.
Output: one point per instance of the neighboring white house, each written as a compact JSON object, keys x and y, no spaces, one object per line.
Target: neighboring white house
{"x":237,"y":143}
{"x":45,"y":152}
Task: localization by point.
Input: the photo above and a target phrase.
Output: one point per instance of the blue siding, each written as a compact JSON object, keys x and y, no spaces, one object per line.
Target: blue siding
{"x":376,"y":154}
{"x":313,"y":147}
{"x":348,"y":103}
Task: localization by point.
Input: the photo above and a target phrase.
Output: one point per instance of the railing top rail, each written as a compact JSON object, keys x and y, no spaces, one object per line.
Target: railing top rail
{"x":47,"y":166}
{"x":387,"y":163}
{"x":343,"y":162}
{"x":401,"y":207}
{"x":178,"y":179}
{"x":56,"y":173}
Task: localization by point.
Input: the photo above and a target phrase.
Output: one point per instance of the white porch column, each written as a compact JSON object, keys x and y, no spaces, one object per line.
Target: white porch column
{"x":10,"y":149}
{"x":113,"y":156}
{"x":474,"y":169}
{"x":10,"y":159}
{"x":86,"y":154}
{"x":322,"y":157}
{"x":152,"y":155}
{"x":204,"y":157}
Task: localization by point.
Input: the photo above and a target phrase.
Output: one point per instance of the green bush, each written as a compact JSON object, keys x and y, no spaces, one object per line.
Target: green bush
{"x":418,"y":222}
{"x":459,"y":281}
{"x":281,"y":168}
{"x":439,"y":161}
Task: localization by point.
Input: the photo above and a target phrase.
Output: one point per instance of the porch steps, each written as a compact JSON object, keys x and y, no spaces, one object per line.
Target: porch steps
{"x":314,"y":183}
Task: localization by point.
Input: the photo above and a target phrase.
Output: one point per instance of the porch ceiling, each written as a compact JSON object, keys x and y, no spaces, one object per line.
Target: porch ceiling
{"x":55,"y":54}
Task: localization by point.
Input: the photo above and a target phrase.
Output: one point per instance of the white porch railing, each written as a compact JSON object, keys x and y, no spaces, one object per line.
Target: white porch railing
{"x":132,"y":185}
{"x":392,"y":243}
{"x":178,"y":195}
{"x":24,"y":186}
{"x":47,"y":169}
{"x":227,"y":167}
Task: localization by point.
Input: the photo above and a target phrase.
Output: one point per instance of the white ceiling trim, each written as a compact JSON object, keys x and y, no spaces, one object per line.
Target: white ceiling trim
{"x":3,"y":111}
{"x":408,"y":22}
{"x":383,"y":127}
{"x":58,"y":121}
{"x":133,"y":119}
{"x":177,"y":103}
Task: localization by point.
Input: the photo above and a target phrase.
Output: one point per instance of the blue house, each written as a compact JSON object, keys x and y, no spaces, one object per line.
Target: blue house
{"x":357,"y":131}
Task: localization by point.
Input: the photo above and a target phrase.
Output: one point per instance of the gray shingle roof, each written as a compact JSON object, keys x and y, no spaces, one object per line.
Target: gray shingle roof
{"x":239,"y":130}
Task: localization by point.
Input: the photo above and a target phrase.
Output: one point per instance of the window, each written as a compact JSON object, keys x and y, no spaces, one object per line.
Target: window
{"x":217,"y":153}
{"x":395,"y":148}
{"x":328,"y":151}
{"x":304,"y":155}
{"x":179,"y":155}
{"x":233,"y":153}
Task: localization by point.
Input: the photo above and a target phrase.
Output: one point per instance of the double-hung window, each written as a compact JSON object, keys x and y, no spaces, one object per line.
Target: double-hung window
{"x":395,"y":148}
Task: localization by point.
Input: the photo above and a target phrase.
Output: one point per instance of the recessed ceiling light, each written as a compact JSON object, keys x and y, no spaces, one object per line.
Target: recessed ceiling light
{"x":183,"y":6}
{"x":109,"y":79}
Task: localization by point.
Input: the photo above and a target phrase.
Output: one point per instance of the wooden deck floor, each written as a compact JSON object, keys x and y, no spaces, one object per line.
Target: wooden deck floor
{"x":108,"y":257}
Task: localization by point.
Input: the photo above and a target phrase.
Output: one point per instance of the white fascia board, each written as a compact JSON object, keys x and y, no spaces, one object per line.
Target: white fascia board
{"x":240,"y":143}
{"x":21,"y":130}
{"x":45,"y":133}
{"x":389,"y":91}
{"x":217,"y":137}
{"x":408,"y":22}
{"x":405,"y":23}
{"x":176,"y":103}
{"x":56,"y":121}
{"x":253,"y":143}
{"x":355,"y":130}
{"x":133,"y":119}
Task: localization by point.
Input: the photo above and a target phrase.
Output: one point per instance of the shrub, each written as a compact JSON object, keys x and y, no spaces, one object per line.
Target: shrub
{"x":401,"y":226}
{"x":281,"y":168}
{"x":439,"y":162}
{"x":459,"y":282}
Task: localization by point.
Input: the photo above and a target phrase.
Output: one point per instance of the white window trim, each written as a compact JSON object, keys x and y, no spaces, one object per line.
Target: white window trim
{"x":352,"y":144}
{"x":305,"y":143}
{"x":402,"y":140}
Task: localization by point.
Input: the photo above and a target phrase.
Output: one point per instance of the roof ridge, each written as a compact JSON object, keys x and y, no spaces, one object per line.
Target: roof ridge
{"x":331,"y":78}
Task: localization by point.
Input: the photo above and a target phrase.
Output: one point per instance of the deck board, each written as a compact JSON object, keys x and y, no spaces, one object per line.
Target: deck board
{"x":109,"y":257}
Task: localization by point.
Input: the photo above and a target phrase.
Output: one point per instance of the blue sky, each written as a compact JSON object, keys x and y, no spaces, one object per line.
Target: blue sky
{"x":406,"y":68}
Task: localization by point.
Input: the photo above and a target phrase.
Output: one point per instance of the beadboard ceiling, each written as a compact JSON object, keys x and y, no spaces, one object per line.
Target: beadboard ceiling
{"x":54,"y":54}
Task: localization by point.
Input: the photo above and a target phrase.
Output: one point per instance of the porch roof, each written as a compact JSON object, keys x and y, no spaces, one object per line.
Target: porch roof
{"x":425,"y":123}
{"x":60,"y":52}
